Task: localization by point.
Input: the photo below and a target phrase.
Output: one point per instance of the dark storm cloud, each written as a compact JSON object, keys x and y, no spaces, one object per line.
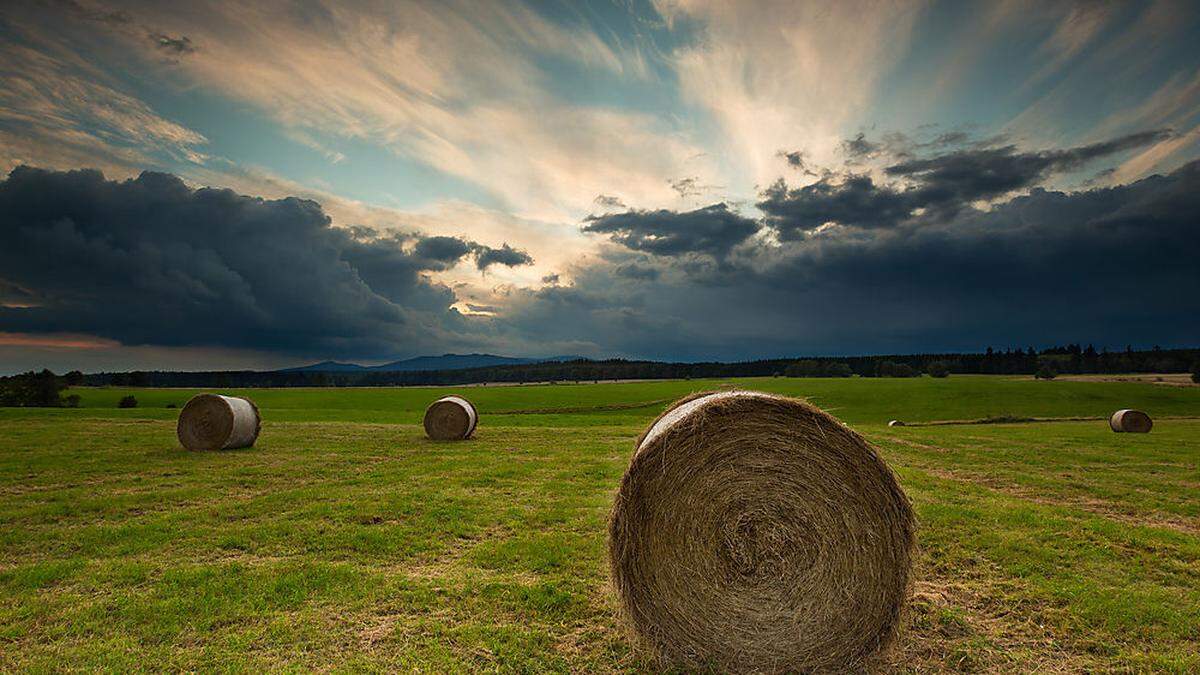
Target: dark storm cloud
{"x":152,"y":261}
{"x":968,"y":175}
{"x":857,"y":201}
{"x":1114,"y":264}
{"x":714,"y":230}
{"x":934,"y":188}
{"x":442,"y":249}
{"x":441,"y":252}
{"x":486,"y":256}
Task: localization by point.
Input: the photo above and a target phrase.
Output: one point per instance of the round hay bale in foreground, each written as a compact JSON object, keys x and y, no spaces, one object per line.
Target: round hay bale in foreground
{"x":896,"y":423}
{"x":756,"y":533}
{"x":1130,"y":421}
{"x":215,"y":422}
{"x":450,"y":418}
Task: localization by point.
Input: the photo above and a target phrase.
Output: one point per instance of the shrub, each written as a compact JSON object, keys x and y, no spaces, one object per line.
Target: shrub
{"x":71,"y":401}
{"x":1045,"y":373}
{"x":127,"y":402}
{"x":938,"y":369}
{"x":1196,"y":372}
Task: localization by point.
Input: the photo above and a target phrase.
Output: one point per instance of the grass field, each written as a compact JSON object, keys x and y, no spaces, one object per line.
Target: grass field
{"x":346,"y":540}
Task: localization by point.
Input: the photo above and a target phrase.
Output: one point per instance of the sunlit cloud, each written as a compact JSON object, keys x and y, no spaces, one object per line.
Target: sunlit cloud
{"x":55,"y":341}
{"x":573,"y":161}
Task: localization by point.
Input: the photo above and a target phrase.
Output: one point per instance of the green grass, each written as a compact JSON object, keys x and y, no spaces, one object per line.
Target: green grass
{"x":854,"y":400}
{"x":347,"y":540}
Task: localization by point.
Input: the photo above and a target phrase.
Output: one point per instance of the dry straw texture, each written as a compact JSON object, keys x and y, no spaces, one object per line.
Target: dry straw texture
{"x":451,"y":418}
{"x":756,"y":533}
{"x":1130,"y":421}
{"x":215,"y":422}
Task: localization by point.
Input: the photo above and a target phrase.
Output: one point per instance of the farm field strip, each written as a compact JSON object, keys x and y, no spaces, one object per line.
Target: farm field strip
{"x":358,"y":544}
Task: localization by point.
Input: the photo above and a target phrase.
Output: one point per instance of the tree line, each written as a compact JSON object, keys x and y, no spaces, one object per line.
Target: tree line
{"x":1067,"y":359}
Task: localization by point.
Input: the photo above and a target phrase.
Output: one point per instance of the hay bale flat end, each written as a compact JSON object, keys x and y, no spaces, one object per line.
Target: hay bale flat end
{"x":756,"y":533}
{"x":215,"y":422}
{"x":1130,"y":422}
{"x":451,"y":418}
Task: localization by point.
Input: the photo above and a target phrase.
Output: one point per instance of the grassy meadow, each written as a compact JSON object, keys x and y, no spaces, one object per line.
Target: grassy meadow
{"x":346,"y":540}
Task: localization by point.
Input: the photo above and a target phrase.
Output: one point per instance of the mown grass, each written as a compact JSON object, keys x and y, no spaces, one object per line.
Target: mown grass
{"x":854,"y":400}
{"x":347,"y":540}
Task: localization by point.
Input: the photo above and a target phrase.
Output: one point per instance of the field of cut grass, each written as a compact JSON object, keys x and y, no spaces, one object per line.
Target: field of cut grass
{"x":346,"y":540}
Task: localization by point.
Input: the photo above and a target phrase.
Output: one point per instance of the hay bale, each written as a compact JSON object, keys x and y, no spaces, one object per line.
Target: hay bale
{"x":215,"y":422}
{"x":451,"y":418}
{"x":895,"y":423}
{"x":1130,"y":421}
{"x":754,"y":532}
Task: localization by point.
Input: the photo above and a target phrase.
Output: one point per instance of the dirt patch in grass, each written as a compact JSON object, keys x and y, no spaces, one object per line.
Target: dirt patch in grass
{"x":970,"y":620}
{"x":1166,"y":379}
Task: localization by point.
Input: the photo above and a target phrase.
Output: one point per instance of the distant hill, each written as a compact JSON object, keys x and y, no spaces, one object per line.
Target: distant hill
{"x":326,"y":367}
{"x":422,"y":363}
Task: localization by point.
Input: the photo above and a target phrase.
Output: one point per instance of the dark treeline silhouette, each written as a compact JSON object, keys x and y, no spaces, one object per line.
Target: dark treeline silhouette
{"x":41,"y":390}
{"x":1068,"y":359}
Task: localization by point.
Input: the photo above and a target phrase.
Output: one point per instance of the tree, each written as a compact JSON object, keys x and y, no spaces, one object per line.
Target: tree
{"x":127,"y":402}
{"x":893,"y":369}
{"x":812,"y":368}
{"x":42,"y":390}
{"x":839,"y":369}
{"x":73,"y":378}
{"x":938,"y":369}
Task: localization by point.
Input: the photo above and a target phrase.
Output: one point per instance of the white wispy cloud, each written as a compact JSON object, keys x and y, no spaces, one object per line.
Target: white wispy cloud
{"x":457,"y":86}
{"x":57,"y":108}
{"x":786,"y":75}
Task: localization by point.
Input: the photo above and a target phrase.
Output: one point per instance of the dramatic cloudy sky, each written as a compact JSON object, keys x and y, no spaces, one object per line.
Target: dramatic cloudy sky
{"x":226,"y":184}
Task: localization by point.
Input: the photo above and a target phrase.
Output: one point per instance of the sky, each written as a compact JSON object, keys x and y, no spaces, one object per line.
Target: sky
{"x":220,"y":184}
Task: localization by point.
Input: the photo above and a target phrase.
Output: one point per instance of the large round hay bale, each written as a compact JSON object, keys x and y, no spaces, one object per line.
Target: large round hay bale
{"x":215,"y":422}
{"x":450,"y":418}
{"x":1130,"y":421}
{"x":756,"y":533}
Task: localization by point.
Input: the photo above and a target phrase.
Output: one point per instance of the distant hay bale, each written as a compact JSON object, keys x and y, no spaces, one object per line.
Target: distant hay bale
{"x":215,"y":422}
{"x":451,"y":418}
{"x":1130,"y":421}
{"x":895,"y":423}
{"x":754,"y":532}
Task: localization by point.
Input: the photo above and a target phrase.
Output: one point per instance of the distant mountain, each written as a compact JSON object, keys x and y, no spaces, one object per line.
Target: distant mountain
{"x":326,"y":367}
{"x":443,"y":362}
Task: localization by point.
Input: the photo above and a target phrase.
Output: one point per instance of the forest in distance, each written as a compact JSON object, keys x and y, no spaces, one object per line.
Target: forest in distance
{"x":1069,"y":359}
